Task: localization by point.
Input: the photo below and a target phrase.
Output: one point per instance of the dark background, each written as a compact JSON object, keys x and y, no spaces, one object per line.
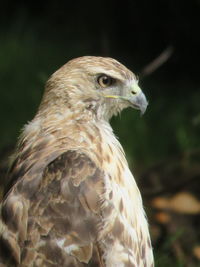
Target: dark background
{"x":163,"y":146}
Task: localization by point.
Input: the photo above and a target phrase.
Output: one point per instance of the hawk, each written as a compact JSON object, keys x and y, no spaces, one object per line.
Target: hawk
{"x":71,"y":199}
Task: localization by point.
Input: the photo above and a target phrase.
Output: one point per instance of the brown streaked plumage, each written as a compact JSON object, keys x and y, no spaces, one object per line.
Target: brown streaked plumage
{"x":71,"y":199}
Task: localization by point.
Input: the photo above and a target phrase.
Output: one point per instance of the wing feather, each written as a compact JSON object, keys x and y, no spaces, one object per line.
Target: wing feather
{"x":57,"y":224}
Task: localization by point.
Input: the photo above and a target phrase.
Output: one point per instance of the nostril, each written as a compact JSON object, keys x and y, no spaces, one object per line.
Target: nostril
{"x":133,"y":92}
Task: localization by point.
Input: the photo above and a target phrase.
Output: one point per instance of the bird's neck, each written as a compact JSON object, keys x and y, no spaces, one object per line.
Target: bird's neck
{"x":90,"y":135}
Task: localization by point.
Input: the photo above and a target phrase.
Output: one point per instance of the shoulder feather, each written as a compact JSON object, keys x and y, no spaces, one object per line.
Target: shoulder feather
{"x":57,"y":222}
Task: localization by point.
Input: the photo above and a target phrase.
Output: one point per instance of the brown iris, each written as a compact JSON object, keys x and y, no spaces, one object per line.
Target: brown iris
{"x":105,"y":81}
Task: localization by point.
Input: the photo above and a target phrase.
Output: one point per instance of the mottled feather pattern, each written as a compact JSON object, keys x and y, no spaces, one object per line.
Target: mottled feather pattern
{"x":71,"y":199}
{"x":67,"y":208}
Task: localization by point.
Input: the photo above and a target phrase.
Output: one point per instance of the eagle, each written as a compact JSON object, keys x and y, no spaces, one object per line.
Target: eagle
{"x":70,"y":198}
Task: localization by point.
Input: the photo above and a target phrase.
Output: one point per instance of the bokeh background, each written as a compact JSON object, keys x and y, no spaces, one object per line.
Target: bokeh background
{"x":163,"y":146}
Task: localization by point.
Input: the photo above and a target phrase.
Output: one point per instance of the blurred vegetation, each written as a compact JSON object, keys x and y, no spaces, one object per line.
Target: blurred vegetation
{"x":35,"y":42}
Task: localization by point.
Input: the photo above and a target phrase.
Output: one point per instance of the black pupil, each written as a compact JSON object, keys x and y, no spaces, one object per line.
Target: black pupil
{"x":105,"y":80}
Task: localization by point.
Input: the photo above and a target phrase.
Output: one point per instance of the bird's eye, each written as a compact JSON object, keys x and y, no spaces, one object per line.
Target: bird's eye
{"x":105,"y":81}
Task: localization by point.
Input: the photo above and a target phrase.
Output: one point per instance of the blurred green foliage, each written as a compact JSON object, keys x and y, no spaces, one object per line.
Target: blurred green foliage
{"x":163,"y":257}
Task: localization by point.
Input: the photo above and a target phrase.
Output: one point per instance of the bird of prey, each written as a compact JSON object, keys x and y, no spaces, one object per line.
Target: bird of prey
{"x":71,"y":199}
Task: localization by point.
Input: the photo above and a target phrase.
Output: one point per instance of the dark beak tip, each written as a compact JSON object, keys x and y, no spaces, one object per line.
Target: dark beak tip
{"x":139,"y":102}
{"x":143,"y":108}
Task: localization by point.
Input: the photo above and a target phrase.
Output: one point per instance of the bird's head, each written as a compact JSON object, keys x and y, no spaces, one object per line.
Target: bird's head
{"x":97,"y":84}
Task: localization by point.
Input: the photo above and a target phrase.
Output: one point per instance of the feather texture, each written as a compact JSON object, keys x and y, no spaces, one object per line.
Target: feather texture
{"x":71,"y":199}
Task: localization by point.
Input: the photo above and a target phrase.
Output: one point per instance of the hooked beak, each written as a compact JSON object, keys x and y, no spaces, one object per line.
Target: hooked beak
{"x":135,"y":98}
